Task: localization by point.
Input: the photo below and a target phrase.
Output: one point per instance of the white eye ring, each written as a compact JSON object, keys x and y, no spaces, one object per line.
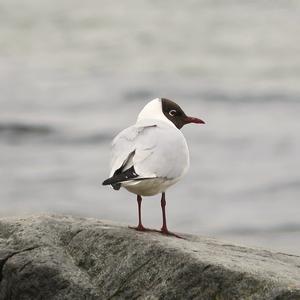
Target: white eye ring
{"x":172,"y":112}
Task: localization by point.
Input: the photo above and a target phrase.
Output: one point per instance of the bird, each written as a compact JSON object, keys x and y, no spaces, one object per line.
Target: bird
{"x":151,"y":155}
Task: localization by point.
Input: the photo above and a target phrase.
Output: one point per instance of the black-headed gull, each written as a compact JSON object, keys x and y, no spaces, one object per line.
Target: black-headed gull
{"x":151,"y":155}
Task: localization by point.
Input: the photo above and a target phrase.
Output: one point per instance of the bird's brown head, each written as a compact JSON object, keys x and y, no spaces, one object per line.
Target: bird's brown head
{"x":176,"y":115}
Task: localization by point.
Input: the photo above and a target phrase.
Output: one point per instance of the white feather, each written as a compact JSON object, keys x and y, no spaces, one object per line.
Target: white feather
{"x":161,"y":152}
{"x":153,"y":110}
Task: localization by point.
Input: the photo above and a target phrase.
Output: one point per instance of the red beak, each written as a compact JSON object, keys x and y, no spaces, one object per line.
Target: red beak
{"x":193,"y":120}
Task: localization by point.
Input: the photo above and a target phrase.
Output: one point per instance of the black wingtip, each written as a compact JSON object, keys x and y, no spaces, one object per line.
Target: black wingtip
{"x":116,"y":186}
{"x":110,"y":181}
{"x":106,"y":182}
{"x":127,"y":175}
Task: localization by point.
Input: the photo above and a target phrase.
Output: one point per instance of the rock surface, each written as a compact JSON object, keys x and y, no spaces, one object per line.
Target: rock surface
{"x":61,"y":257}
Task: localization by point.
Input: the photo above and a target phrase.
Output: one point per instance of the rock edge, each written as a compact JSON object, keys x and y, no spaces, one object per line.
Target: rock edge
{"x":63,"y":257}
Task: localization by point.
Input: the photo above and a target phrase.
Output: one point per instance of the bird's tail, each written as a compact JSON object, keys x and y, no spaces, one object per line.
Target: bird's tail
{"x":128,"y":175}
{"x":116,"y":180}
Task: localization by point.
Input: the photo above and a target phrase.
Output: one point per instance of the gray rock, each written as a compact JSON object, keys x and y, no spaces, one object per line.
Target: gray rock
{"x":61,"y":257}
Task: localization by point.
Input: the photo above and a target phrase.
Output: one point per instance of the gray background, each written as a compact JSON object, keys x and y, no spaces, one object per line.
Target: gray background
{"x":74,"y":73}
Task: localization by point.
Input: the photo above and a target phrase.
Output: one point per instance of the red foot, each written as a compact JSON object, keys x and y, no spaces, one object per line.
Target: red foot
{"x":162,"y":231}
{"x":142,"y":228}
{"x":165,"y":231}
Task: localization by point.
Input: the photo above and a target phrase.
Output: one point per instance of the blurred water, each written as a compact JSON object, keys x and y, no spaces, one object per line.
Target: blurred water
{"x":73,"y":73}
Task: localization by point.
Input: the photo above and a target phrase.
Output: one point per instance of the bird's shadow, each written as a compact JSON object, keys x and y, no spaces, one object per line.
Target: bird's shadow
{"x":168,"y":233}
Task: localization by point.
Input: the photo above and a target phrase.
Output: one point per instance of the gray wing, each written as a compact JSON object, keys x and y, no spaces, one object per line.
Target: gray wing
{"x":132,"y":145}
{"x":153,"y":151}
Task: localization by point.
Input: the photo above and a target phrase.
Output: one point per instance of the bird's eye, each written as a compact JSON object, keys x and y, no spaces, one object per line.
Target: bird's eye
{"x":172,"y":112}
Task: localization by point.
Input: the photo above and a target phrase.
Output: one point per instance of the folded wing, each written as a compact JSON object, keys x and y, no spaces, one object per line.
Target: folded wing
{"x":147,"y":151}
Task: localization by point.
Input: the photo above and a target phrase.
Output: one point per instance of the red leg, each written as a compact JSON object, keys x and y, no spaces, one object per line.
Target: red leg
{"x":164,"y":228}
{"x":140,"y":226}
{"x":139,"y":201}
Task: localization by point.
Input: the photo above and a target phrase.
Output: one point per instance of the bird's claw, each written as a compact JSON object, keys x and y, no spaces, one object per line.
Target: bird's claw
{"x":162,"y":231}
{"x":142,"y":228}
{"x":169,"y":233}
